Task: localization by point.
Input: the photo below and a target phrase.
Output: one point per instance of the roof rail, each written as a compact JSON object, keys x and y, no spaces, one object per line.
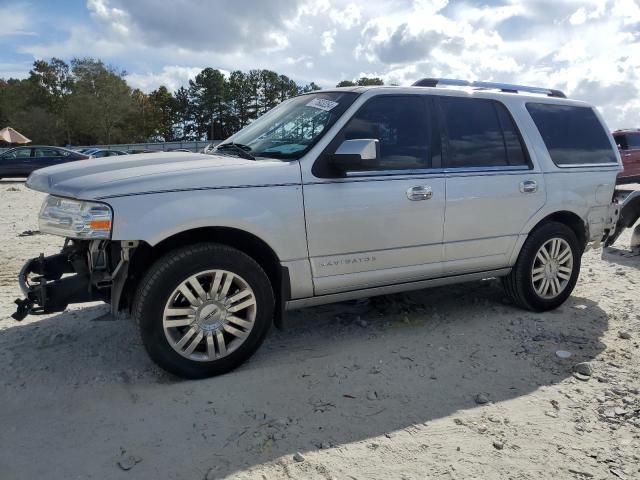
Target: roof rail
{"x":504,"y":87}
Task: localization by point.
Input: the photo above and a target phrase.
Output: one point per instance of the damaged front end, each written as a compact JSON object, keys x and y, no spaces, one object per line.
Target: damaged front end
{"x":84,"y":271}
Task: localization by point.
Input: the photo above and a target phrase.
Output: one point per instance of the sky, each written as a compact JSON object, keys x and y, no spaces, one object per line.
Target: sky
{"x":589,"y":49}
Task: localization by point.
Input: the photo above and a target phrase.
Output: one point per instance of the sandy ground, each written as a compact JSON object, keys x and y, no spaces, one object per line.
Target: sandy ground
{"x":386,"y":388}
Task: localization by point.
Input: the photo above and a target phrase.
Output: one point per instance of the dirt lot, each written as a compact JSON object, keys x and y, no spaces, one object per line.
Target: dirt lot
{"x":451,"y":382}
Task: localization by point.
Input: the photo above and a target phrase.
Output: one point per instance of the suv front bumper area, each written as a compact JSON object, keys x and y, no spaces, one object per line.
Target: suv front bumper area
{"x":82,"y":272}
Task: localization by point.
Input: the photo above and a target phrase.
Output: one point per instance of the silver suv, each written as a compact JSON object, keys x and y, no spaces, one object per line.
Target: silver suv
{"x":332,"y":195}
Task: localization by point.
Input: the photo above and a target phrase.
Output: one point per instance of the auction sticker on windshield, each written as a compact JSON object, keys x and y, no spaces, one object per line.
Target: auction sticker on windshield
{"x":322,"y":104}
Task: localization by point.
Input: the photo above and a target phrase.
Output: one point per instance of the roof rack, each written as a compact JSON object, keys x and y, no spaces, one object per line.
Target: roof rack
{"x":503,"y":87}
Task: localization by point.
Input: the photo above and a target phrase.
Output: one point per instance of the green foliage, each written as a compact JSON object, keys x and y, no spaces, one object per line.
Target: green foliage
{"x":361,"y":82}
{"x":87,"y":102}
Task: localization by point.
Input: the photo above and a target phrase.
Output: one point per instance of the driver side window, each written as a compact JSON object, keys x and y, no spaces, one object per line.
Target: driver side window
{"x":402,"y":126}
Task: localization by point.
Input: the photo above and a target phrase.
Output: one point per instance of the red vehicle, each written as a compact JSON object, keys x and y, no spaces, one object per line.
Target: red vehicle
{"x":628,"y":142}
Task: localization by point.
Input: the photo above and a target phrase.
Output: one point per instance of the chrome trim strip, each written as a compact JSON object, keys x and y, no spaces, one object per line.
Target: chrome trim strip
{"x":396,"y":288}
{"x":501,"y":168}
{"x":151,"y":192}
{"x":582,"y":165}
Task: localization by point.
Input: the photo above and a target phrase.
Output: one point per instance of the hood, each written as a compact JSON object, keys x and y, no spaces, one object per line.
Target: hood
{"x":137,"y":174}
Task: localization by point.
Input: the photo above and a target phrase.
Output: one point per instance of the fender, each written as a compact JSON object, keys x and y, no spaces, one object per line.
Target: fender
{"x":274,"y":214}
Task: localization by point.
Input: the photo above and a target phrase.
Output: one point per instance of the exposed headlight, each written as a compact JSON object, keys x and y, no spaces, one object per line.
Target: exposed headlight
{"x":75,"y":218}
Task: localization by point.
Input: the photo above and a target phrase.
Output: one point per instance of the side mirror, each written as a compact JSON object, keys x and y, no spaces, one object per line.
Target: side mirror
{"x":355,"y":155}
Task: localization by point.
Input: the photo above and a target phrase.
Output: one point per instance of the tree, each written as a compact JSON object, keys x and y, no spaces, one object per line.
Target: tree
{"x":183,"y":114}
{"x":102,"y":101}
{"x":361,"y":82}
{"x":163,"y":113}
{"x":312,"y":87}
{"x":365,"y":81}
{"x":207,"y":97}
{"x":87,"y":102}
{"x":238,"y":96}
{"x":54,"y":84}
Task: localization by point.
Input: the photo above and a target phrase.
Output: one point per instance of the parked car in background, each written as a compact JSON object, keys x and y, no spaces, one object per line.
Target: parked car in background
{"x":103,"y":152}
{"x":141,"y":150}
{"x":628,"y":142}
{"x":21,"y":161}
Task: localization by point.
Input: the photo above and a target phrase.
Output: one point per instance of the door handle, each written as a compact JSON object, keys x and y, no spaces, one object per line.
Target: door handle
{"x":528,"y":186}
{"x":421,"y":192}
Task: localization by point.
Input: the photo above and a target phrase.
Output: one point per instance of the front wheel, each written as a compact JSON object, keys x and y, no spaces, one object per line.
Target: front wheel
{"x":547,"y":268}
{"x":203,"y":310}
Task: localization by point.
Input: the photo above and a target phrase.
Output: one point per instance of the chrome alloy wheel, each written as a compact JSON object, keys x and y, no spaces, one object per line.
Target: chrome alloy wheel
{"x":552,"y":268}
{"x":209,"y":315}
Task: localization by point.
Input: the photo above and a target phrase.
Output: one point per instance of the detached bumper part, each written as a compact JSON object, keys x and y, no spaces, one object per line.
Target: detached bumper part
{"x":47,"y":291}
{"x":628,"y":202}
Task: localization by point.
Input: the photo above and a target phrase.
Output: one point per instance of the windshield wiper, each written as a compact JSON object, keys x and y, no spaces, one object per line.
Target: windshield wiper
{"x":237,"y":148}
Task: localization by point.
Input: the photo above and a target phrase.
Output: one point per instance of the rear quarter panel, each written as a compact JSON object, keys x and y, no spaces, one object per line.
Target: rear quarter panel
{"x":586,"y":191}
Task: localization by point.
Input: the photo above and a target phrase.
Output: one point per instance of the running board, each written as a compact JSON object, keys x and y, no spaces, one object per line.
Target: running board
{"x":389,"y":289}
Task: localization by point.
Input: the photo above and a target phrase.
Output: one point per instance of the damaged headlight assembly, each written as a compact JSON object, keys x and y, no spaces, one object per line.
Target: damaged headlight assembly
{"x":78,"y":219}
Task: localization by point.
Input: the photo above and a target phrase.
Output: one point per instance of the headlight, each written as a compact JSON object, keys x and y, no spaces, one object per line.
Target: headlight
{"x":75,"y":218}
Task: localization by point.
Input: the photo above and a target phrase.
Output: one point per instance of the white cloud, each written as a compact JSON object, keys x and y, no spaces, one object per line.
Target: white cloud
{"x":115,"y":19}
{"x":14,"y":20}
{"x":328,"y":39}
{"x":590,"y":48}
{"x":171,"y":76}
{"x":346,"y":18}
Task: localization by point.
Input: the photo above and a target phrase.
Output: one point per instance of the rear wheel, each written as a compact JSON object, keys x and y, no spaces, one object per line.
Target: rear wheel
{"x":203,"y":310}
{"x":547,"y":269}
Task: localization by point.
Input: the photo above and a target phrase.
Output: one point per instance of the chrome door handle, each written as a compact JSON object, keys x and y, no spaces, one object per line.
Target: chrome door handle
{"x":421,"y":192}
{"x":528,"y":186}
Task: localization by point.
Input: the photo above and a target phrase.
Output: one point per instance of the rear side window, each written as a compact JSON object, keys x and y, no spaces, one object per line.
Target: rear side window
{"x":573,"y":135}
{"x":47,"y":152}
{"x":481,"y":133}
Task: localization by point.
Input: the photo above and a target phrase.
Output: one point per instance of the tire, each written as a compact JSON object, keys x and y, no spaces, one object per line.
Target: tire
{"x":526,"y":288}
{"x":170,"y":307}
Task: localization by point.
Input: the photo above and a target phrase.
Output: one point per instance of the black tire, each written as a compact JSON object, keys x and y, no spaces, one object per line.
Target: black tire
{"x":163,"y":278}
{"x":519,"y":285}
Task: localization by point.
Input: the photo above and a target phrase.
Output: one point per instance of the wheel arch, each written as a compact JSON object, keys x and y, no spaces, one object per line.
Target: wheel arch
{"x":566,"y":217}
{"x":571,"y":220}
{"x":146,"y":254}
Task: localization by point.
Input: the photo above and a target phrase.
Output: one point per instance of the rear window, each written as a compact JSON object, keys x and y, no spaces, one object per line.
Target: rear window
{"x":573,"y":135}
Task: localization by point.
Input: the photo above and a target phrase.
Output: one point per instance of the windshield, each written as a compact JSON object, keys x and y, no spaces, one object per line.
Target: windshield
{"x":289,"y":130}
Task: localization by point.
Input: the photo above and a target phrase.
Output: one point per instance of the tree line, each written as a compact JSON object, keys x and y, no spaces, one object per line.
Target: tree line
{"x":86,"y":102}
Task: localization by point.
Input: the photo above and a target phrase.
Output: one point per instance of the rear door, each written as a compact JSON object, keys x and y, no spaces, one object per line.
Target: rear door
{"x":492,"y":189}
{"x":47,"y":156}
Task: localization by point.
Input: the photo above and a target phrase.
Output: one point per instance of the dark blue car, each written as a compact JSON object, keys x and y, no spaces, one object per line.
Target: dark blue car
{"x":21,"y":161}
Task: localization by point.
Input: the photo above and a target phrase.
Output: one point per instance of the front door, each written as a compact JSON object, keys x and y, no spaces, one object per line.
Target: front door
{"x":381,"y":226}
{"x":492,"y":189}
